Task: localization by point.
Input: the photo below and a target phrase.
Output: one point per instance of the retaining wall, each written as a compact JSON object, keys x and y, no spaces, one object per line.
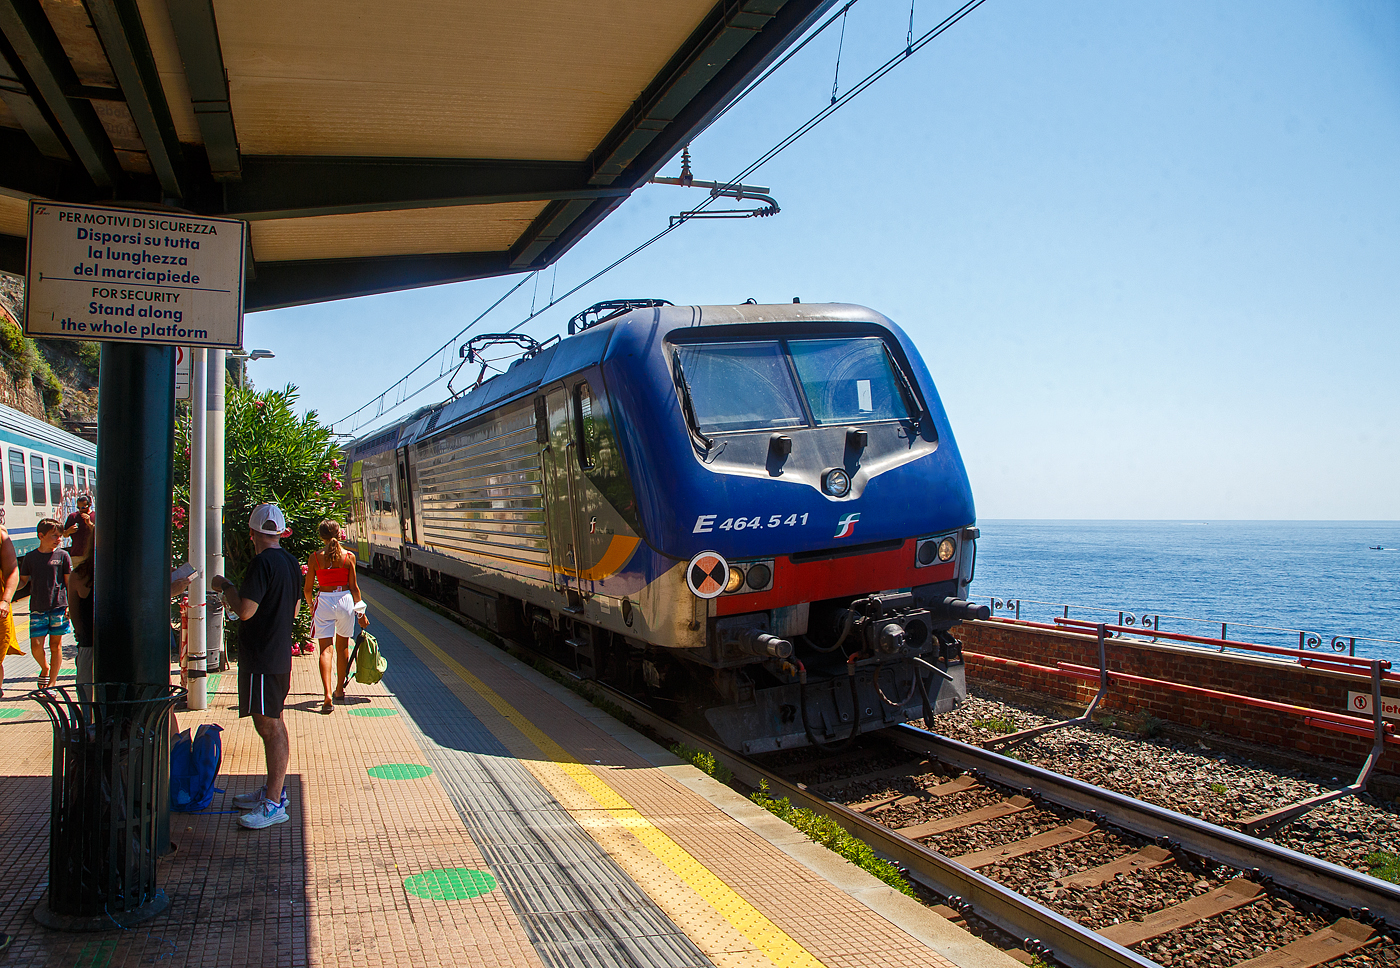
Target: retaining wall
{"x":1278,"y":680}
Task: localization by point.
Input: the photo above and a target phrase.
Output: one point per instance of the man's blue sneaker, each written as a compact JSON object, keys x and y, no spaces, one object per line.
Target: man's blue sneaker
{"x":247,"y":801}
{"x":269,"y":814}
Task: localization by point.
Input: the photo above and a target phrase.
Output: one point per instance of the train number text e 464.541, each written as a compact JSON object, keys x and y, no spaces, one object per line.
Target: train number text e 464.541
{"x":706,"y":522}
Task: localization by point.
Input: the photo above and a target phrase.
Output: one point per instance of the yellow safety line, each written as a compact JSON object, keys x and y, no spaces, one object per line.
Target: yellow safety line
{"x":772,"y":940}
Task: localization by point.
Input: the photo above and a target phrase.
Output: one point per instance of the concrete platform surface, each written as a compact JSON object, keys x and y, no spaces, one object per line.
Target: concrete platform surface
{"x":464,"y":811}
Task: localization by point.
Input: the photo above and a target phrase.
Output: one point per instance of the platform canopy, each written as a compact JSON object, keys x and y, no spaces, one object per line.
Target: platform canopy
{"x":371,"y":146}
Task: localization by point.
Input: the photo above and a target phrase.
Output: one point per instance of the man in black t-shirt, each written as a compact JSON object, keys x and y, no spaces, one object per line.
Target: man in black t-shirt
{"x":266,"y":606}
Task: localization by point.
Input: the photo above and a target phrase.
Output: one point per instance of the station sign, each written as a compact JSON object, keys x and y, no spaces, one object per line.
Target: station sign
{"x":134,"y":276}
{"x":182,"y":373}
{"x":1359,"y":703}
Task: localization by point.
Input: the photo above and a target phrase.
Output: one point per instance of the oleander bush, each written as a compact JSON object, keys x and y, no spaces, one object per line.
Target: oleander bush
{"x":272,"y":453}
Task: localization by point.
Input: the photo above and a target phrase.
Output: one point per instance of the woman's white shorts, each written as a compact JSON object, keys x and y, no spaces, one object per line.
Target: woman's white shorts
{"x":335,"y":614}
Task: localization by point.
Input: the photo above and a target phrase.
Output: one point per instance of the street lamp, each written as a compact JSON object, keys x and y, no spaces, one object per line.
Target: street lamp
{"x":243,"y":356}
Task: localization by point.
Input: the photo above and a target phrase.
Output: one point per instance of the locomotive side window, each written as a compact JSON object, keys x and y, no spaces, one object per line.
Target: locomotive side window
{"x":740,"y":386}
{"x":68,"y":477}
{"x":585,"y":430}
{"x":19,"y":487}
{"x":55,"y":487}
{"x":848,"y":380}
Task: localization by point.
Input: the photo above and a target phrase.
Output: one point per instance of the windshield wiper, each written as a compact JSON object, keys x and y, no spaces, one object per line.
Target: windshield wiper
{"x":687,"y":407}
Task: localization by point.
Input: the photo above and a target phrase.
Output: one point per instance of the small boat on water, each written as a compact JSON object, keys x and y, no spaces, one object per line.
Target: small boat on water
{"x":1375,"y":547}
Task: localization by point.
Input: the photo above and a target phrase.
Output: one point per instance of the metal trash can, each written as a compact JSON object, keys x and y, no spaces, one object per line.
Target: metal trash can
{"x":111,"y":776}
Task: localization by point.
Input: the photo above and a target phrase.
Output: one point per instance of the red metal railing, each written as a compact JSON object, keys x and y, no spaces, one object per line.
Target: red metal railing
{"x":1326,"y":663}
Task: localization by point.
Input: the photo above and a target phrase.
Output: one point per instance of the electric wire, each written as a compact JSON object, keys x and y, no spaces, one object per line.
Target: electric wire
{"x":785,"y":143}
{"x":432,"y":356}
{"x":762,"y":160}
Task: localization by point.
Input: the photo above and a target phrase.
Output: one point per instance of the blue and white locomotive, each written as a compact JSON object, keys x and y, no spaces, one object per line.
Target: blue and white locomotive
{"x":755,"y":517}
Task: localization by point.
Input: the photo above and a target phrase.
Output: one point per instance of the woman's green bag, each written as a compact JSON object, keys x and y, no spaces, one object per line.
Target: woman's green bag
{"x":369,"y":664}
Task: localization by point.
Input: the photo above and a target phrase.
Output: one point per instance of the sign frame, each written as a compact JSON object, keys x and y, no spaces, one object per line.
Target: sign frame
{"x":217,"y":306}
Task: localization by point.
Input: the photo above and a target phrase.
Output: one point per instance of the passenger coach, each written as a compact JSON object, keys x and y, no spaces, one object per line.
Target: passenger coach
{"x":754,"y":516}
{"x":43,"y":471}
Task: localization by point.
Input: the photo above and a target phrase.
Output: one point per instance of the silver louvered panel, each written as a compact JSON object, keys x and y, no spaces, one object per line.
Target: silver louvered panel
{"x":482,"y":490}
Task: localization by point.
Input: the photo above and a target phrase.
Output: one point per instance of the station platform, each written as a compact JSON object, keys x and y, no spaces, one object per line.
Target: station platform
{"x":465,"y":811}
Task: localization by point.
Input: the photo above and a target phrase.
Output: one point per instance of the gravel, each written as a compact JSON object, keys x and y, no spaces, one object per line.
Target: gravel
{"x":1194,"y":779}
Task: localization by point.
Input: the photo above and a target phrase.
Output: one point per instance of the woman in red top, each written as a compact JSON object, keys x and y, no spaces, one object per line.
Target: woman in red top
{"x":335,"y":609}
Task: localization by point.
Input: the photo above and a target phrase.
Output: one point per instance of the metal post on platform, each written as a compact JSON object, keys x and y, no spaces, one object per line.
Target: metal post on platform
{"x":131,"y":566}
{"x":195,"y":659}
{"x":214,"y":500}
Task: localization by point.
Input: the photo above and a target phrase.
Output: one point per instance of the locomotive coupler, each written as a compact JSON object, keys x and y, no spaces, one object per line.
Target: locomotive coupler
{"x":886,"y":624}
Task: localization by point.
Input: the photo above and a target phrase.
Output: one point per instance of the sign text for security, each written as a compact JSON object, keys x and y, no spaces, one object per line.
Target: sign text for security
{"x":134,"y":276}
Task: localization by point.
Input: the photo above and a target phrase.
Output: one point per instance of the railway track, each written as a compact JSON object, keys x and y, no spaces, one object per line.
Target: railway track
{"x":1350,"y":912}
{"x":1357,"y":910}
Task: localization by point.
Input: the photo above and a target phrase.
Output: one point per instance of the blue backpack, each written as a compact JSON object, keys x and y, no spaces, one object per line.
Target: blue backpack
{"x":194,"y":766}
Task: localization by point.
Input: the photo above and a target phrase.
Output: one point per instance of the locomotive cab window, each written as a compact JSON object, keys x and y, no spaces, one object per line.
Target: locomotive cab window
{"x":740,"y":386}
{"x":849,"y":380}
{"x":19,"y":486}
{"x":777,"y":384}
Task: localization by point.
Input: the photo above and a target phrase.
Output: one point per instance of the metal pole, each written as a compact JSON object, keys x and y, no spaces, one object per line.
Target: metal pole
{"x":214,"y":488}
{"x":198,"y":456}
{"x":131,"y":567}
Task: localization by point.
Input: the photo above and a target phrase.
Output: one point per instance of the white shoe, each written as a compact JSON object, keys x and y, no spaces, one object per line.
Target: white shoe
{"x":247,"y":801}
{"x":267,"y":815}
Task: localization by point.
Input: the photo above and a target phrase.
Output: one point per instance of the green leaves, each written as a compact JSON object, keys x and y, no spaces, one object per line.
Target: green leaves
{"x":272,"y":454}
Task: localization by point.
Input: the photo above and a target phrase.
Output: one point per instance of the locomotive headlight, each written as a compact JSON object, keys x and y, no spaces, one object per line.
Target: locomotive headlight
{"x":759,"y":576}
{"x":736,"y":579}
{"x":837,"y":482}
{"x":946,"y":549}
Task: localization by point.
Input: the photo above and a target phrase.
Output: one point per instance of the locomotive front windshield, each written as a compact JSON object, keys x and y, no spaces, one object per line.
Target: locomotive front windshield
{"x":762,"y":385}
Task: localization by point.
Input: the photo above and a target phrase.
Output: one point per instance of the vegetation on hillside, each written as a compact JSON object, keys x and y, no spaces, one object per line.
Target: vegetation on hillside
{"x":48,"y":364}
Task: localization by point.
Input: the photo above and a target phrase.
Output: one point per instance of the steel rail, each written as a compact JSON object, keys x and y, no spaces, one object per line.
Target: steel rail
{"x":1040,"y":929}
{"x":1309,"y":876}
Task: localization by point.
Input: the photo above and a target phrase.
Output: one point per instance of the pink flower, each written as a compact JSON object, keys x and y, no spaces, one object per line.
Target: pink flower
{"x":259,"y":404}
{"x":303,"y":569}
{"x":337,"y":485}
{"x":335,"y":464}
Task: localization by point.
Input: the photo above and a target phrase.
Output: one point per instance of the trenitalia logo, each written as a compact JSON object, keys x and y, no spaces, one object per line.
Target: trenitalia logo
{"x":847,"y":525}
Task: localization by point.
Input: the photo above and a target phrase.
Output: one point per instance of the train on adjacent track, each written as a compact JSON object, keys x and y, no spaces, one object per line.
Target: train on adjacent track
{"x":752,"y":517}
{"x":43,"y":471}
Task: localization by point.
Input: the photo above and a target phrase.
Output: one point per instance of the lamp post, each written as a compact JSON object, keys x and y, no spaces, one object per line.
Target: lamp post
{"x":243,"y":356}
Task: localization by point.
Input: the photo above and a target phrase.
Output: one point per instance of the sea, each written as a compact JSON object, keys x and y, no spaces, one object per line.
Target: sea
{"x":1336,"y":582}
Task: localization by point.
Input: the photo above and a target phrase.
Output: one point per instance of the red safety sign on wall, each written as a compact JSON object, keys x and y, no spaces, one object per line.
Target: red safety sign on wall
{"x":1359,"y":703}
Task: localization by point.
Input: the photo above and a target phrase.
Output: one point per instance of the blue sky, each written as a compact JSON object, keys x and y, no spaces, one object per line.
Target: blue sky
{"x":1149,"y":251}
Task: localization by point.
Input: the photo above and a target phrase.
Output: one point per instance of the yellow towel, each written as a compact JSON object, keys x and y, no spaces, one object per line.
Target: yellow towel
{"x":9,"y":642}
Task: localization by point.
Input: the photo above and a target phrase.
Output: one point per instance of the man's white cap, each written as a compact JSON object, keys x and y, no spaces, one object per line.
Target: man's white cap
{"x":268,"y":519}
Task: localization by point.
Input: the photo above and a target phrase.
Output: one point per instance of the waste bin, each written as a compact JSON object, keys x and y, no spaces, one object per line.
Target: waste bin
{"x":111,"y":776}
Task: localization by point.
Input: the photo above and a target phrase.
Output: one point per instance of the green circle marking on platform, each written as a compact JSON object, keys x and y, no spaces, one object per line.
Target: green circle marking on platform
{"x":450,"y":884}
{"x":400,"y":771}
{"x":11,"y":712}
{"x":374,"y":711}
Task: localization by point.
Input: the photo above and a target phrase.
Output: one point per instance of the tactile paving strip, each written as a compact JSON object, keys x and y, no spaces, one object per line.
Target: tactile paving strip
{"x":578,"y":907}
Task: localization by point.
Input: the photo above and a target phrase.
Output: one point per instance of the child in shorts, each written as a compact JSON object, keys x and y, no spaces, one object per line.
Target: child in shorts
{"x":46,"y":568}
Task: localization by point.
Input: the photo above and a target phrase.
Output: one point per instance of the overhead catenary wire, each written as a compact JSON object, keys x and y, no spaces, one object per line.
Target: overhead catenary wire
{"x":781,"y":146}
{"x":786,"y":142}
{"x":379,"y":400}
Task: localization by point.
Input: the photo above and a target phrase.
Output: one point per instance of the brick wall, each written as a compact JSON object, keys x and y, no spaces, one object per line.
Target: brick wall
{"x":1277,"y":680}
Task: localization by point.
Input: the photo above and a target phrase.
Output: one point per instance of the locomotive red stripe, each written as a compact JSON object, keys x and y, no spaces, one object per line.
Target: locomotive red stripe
{"x":813,"y":581}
